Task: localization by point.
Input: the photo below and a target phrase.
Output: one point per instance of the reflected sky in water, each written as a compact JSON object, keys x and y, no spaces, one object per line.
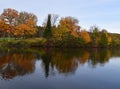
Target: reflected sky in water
{"x":59,"y":68}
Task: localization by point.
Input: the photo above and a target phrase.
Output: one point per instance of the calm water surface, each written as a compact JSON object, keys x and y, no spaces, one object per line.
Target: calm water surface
{"x":59,"y":69}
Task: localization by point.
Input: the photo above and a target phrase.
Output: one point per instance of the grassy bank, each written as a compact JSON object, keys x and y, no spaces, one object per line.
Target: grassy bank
{"x":42,"y":42}
{"x":31,"y":42}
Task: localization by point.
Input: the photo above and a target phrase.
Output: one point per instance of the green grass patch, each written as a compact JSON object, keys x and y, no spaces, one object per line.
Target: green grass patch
{"x":31,"y":42}
{"x":7,"y":38}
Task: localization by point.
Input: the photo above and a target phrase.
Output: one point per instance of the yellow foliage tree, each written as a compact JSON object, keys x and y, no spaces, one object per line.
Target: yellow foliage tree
{"x":67,"y":25}
{"x":85,"y":35}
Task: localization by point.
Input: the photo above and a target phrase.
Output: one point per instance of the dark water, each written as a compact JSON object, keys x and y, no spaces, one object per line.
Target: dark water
{"x":59,"y":69}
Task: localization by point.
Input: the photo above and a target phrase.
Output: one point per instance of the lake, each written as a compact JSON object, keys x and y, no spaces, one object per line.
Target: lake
{"x":35,"y":68}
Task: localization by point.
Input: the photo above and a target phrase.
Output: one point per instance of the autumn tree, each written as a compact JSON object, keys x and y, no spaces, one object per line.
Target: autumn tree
{"x":24,"y":31}
{"x":67,"y":33}
{"x":48,"y":33}
{"x":24,"y":17}
{"x":69,"y":25}
{"x":85,"y":35}
{"x":9,"y":17}
{"x":25,"y":25}
{"x":4,"y":29}
{"x":21,"y":30}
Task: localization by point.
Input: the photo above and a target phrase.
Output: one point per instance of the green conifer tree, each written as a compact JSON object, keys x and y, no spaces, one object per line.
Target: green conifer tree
{"x":48,"y":30}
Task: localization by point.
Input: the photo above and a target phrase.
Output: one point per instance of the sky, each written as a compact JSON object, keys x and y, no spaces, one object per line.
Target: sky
{"x":103,"y":13}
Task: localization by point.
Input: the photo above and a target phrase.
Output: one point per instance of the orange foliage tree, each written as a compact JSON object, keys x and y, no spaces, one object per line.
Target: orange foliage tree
{"x":22,"y":30}
{"x":85,"y":35}
{"x":13,"y":23}
{"x":9,"y":17}
{"x":4,"y":29}
{"x":25,"y":25}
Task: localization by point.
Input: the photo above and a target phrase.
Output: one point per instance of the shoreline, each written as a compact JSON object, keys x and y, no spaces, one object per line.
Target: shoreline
{"x":43,"y":43}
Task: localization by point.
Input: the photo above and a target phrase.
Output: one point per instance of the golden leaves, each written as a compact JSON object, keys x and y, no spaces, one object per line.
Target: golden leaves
{"x":23,"y":29}
{"x":85,"y":35}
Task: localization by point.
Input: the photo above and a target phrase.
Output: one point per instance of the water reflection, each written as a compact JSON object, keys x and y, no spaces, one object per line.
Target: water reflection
{"x":99,"y":57}
{"x":67,"y":61}
{"x":14,"y":62}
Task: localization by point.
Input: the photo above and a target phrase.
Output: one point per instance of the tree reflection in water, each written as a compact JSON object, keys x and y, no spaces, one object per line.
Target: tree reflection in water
{"x":15,"y":62}
{"x":66,"y":61}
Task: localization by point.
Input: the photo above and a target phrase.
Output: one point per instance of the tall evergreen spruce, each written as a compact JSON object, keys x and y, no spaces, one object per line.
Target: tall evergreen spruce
{"x":48,"y":33}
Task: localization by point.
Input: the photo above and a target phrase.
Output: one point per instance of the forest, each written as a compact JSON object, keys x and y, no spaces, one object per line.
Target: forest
{"x":21,"y":29}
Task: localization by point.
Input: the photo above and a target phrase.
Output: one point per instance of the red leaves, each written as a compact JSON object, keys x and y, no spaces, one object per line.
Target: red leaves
{"x":9,"y":15}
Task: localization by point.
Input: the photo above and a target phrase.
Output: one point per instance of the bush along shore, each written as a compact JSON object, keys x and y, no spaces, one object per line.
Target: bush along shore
{"x":20,"y":29}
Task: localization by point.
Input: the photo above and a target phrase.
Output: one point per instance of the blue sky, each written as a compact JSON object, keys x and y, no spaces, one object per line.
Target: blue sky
{"x":103,"y":13}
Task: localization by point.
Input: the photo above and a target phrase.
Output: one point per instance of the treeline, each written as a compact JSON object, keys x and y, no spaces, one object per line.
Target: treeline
{"x":58,"y":32}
